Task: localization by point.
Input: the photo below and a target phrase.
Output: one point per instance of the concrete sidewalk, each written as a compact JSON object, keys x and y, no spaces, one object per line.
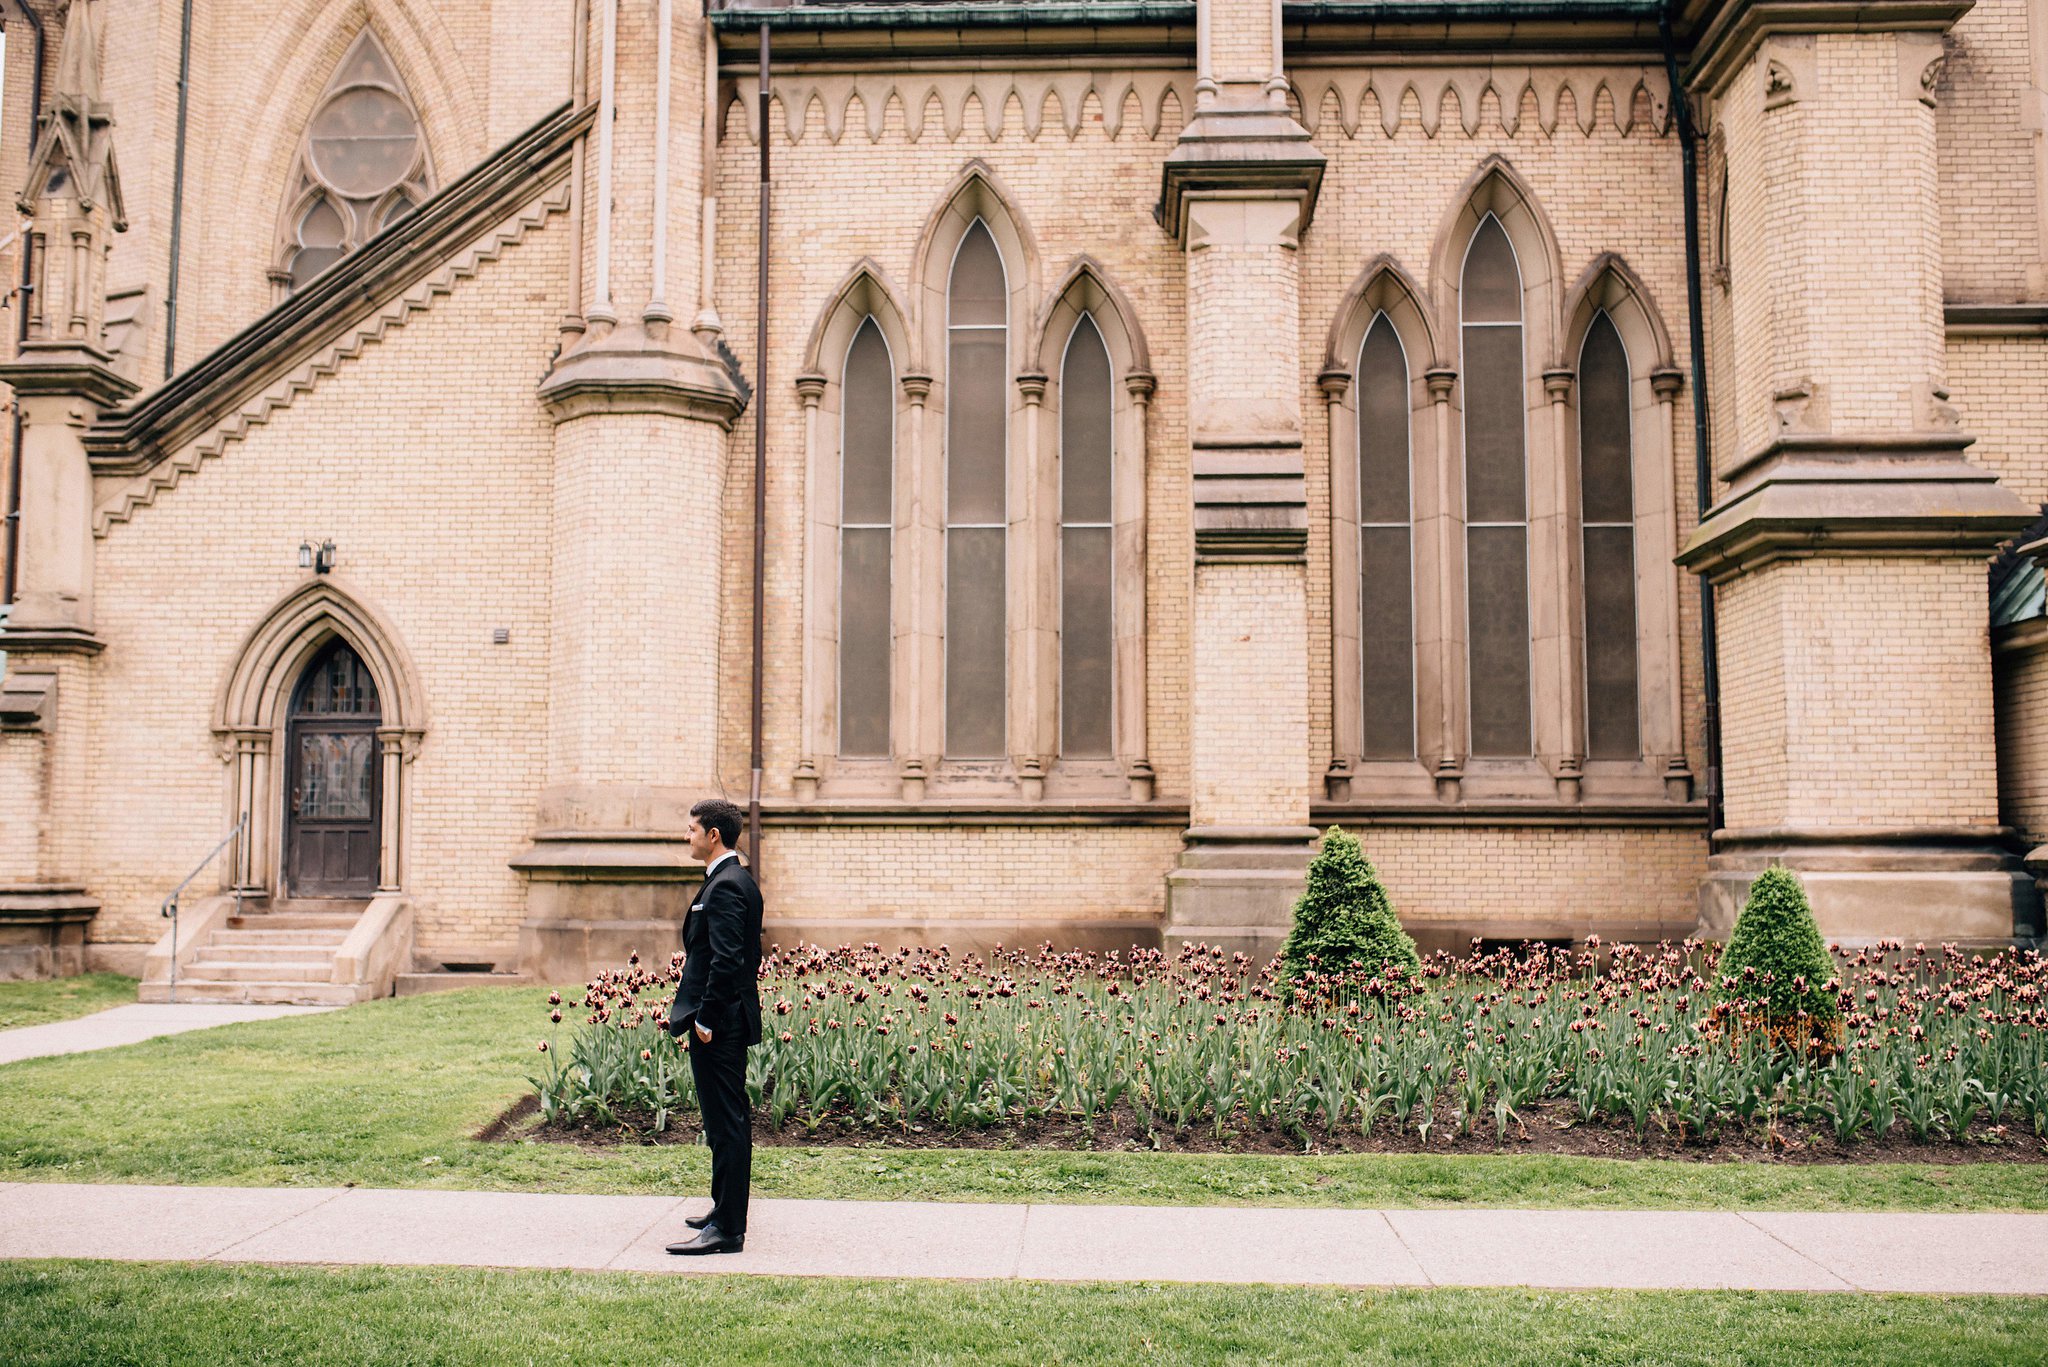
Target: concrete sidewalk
{"x":1955,"y":1254}
{"x":131,"y":1025}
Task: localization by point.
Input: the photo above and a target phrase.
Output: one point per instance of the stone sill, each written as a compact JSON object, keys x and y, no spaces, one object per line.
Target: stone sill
{"x":1647,"y":815}
{"x":881,"y":812}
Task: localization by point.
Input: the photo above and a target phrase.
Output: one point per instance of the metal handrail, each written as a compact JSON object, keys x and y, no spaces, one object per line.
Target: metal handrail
{"x":170,"y":903}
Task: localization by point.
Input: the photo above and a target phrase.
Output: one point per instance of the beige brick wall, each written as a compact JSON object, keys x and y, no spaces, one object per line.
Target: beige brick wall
{"x":963,"y":872}
{"x":1990,"y":209}
{"x":1603,"y":192}
{"x":1449,"y":881}
{"x":428,"y":461}
{"x":1858,"y":692}
{"x":1250,"y":768}
{"x":2000,"y":385}
{"x":838,"y":202}
{"x":2021,"y":678}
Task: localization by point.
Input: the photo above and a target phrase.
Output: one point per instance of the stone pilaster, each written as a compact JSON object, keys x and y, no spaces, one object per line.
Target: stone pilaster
{"x":642,"y":412}
{"x":1848,"y":541}
{"x":1238,"y":191}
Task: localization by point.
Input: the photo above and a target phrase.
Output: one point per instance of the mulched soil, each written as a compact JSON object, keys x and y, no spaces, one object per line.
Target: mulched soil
{"x":1550,"y":1127}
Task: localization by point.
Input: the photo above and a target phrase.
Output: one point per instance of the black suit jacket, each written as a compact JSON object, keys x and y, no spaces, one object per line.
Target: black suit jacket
{"x":722,"y":957}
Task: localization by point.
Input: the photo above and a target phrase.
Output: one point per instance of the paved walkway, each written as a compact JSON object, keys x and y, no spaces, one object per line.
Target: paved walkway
{"x":1995,"y":1253}
{"x":131,"y":1025}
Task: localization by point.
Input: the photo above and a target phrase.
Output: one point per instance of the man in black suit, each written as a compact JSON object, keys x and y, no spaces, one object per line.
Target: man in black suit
{"x":717,"y":1015}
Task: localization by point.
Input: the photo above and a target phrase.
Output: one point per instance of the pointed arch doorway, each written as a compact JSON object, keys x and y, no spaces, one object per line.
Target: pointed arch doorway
{"x":333,"y":793}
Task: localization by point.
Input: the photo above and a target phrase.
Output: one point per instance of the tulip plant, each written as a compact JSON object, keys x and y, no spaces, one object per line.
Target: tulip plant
{"x":1933,"y":1043}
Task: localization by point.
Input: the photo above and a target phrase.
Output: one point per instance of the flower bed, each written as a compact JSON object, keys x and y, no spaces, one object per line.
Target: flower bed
{"x":1934,"y":1046}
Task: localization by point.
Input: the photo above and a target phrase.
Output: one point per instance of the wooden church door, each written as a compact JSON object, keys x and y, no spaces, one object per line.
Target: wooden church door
{"x":332,"y":796}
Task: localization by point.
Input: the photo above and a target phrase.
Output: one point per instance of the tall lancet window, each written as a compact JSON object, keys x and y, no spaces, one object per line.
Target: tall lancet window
{"x":362,"y":165}
{"x":1607,"y":516}
{"x":1086,"y":452}
{"x":1385,"y":559}
{"x":977,"y":506}
{"x":1496,"y":496}
{"x":866,"y":530}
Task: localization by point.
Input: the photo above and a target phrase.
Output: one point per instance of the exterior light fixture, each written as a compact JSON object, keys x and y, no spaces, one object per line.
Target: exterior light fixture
{"x":319,"y":560}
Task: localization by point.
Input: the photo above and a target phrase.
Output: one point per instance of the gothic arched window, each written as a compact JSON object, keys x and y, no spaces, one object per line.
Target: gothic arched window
{"x":1608,"y":519}
{"x":866,"y":530}
{"x":1385,"y":558}
{"x":1496,"y":496}
{"x":977,"y":505}
{"x":1087,"y":462}
{"x":362,"y":165}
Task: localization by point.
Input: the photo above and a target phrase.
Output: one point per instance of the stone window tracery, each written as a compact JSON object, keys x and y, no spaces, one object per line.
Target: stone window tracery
{"x":866,"y":541}
{"x":1087,"y":461}
{"x":362,"y":166}
{"x":977,"y":511}
{"x":1496,"y":497}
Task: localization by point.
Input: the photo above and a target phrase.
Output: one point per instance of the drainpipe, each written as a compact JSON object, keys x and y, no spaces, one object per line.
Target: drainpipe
{"x":21,"y":298}
{"x":760,"y":468}
{"x":178,"y":193}
{"x":1702,"y":454}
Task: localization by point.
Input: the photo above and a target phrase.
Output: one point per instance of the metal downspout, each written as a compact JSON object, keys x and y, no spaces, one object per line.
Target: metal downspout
{"x":21,"y":298}
{"x":178,"y":194}
{"x":1702,"y":452}
{"x":760,"y":473}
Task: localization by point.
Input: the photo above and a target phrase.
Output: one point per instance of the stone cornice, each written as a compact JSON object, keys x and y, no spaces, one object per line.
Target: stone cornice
{"x":133,"y":439}
{"x":25,"y":640}
{"x":1796,"y":501}
{"x":628,"y":372}
{"x":1733,"y":32}
{"x":70,"y":369}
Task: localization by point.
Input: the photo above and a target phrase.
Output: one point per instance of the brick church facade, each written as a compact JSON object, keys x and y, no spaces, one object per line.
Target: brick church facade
{"x":1182,"y":426}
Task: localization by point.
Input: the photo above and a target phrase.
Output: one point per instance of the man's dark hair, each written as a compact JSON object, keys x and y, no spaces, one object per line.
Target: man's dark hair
{"x":716,"y":814}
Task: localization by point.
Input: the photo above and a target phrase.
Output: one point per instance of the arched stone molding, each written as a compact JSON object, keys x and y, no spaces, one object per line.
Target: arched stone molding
{"x":1608,"y":286}
{"x":975,"y":196}
{"x":1495,"y":190}
{"x":1087,"y":291}
{"x":1049,"y":99}
{"x":1466,"y":88}
{"x":1384,"y":290}
{"x":866,"y":293}
{"x":302,"y":186}
{"x":251,"y":709}
{"x":284,"y":73}
{"x":975,"y":193}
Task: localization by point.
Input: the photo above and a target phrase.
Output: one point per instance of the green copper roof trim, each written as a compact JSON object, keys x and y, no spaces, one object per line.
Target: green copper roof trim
{"x":1066,"y":12}
{"x":1063,"y":13}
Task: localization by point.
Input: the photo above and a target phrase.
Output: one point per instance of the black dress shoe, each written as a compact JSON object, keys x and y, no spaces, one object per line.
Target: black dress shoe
{"x":711,"y":1240}
{"x":697,"y":1221}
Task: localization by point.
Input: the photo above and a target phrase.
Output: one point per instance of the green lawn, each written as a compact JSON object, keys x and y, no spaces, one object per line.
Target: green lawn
{"x":62,"y":999}
{"x":65,"y":1313}
{"x":388,"y":1094}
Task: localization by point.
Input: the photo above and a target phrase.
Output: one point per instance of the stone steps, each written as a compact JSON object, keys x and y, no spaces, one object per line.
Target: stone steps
{"x":275,"y":970}
{"x":278,"y":952}
{"x":253,"y":992}
{"x":274,"y":944}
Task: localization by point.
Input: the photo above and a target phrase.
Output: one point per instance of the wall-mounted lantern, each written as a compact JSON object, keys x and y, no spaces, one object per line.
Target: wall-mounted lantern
{"x":319,"y":560}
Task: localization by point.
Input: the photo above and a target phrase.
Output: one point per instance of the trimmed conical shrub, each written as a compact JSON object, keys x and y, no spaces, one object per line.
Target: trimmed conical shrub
{"x":1345,"y":920}
{"x":1777,"y":938}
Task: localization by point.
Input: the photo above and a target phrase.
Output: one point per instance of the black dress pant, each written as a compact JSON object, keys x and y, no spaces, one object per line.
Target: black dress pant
{"x":720,"y":1071}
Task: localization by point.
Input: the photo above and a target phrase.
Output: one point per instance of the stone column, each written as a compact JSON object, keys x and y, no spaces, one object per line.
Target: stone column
{"x":1238,"y":191}
{"x":62,"y":379}
{"x":1848,"y":542}
{"x":642,"y":412}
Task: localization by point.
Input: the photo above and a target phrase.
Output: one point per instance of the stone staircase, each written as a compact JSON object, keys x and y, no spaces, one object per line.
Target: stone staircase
{"x":300,"y":952}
